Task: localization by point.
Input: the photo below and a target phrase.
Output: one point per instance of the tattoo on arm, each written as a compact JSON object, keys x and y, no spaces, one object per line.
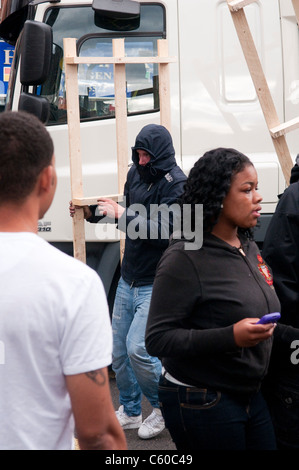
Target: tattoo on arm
{"x":97,"y":376}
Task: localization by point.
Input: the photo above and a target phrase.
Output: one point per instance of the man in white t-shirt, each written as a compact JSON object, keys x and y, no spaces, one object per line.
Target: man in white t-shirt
{"x":55,"y":332}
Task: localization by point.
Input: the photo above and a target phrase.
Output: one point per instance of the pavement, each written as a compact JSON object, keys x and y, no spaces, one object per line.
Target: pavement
{"x":161,"y":442}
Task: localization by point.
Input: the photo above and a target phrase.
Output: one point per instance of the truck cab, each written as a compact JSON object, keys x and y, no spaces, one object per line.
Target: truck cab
{"x":213,"y":100}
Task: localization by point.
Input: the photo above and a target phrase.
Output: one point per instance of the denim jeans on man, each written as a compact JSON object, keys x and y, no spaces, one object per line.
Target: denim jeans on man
{"x":136,"y":372}
{"x":199,"y":419}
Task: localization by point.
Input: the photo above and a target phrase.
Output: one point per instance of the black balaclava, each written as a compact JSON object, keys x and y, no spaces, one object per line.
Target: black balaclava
{"x":149,"y":174}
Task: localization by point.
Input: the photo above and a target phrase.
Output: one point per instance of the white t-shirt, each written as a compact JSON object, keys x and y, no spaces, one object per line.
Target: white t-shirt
{"x":54,"y":321}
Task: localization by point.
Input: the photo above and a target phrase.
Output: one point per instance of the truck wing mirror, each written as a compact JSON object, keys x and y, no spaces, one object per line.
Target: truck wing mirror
{"x":117,"y":9}
{"x":36,"y":53}
{"x":117,"y":15}
{"x":36,"y":105}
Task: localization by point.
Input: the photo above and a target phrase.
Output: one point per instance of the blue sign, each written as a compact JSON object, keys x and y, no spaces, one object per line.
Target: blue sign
{"x":6,"y":57}
{"x":97,"y":80}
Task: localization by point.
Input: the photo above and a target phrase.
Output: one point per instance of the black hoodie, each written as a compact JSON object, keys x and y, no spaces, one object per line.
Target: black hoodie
{"x":156,"y":141}
{"x":197,"y":297}
{"x":163,"y":183}
{"x":281,"y":251}
{"x":165,"y":187}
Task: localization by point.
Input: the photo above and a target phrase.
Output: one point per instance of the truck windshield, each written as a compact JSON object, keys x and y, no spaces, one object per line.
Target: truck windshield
{"x":96,"y":85}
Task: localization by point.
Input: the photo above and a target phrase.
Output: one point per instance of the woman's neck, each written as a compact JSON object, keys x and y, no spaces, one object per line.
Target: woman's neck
{"x":228,"y":235}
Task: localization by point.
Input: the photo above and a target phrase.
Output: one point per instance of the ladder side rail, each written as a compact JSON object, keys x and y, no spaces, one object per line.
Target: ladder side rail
{"x":73,"y":118}
{"x":262,"y":89}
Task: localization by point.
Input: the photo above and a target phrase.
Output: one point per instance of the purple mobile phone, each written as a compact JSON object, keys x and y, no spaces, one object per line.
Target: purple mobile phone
{"x":270,"y":318}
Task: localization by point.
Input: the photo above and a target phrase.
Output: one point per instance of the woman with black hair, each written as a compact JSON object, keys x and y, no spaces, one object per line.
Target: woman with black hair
{"x":204,"y":312}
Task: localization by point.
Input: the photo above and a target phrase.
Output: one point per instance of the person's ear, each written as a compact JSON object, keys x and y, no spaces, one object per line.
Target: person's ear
{"x":46,"y":189}
{"x":46,"y":179}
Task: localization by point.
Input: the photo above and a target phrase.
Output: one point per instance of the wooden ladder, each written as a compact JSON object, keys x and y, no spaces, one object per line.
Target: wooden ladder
{"x":71,"y":61}
{"x":277,"y":130}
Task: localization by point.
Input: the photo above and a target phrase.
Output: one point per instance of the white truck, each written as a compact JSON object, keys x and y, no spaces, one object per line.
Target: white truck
{"x":213,"y":100}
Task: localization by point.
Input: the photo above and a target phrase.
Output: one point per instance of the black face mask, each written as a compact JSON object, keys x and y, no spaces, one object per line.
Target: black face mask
{"x":149,"y":174}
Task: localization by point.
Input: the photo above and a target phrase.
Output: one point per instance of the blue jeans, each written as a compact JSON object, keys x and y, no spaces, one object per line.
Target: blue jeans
{"x":136,"y":371}
{"x":201,"y":419}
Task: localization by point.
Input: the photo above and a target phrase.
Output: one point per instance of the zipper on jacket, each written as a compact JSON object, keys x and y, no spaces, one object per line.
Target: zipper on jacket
{"x":254,"y":275}
{"x":241,"y":251}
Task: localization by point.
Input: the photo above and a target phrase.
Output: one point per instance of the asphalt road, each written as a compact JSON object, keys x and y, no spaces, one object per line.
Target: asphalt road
{"x":161,"y":442}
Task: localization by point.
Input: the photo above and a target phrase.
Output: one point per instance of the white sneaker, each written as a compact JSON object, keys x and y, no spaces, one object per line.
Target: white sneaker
{"x":152,"y":425}
{"x":128,"y":422}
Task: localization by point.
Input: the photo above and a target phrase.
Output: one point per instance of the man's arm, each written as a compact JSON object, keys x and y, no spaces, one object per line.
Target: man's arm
{"x":159,"y":219}
{"x":97,"y":427}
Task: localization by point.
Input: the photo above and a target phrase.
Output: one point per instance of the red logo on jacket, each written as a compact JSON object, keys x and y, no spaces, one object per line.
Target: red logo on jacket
{"x":264,"y":270}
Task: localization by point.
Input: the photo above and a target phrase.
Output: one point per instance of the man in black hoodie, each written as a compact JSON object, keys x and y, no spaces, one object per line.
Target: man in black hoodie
{"x":153,"y":180}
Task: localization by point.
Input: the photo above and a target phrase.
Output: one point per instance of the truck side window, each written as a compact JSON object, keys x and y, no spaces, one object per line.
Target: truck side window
{"x":96,"y":82}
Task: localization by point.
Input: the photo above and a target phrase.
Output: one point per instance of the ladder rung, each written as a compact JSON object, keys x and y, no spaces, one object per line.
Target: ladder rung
{"x":119,"y":60}
{"x":92,"y":201}
{"x":236,"y":5}
{"x":282,"y":129}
